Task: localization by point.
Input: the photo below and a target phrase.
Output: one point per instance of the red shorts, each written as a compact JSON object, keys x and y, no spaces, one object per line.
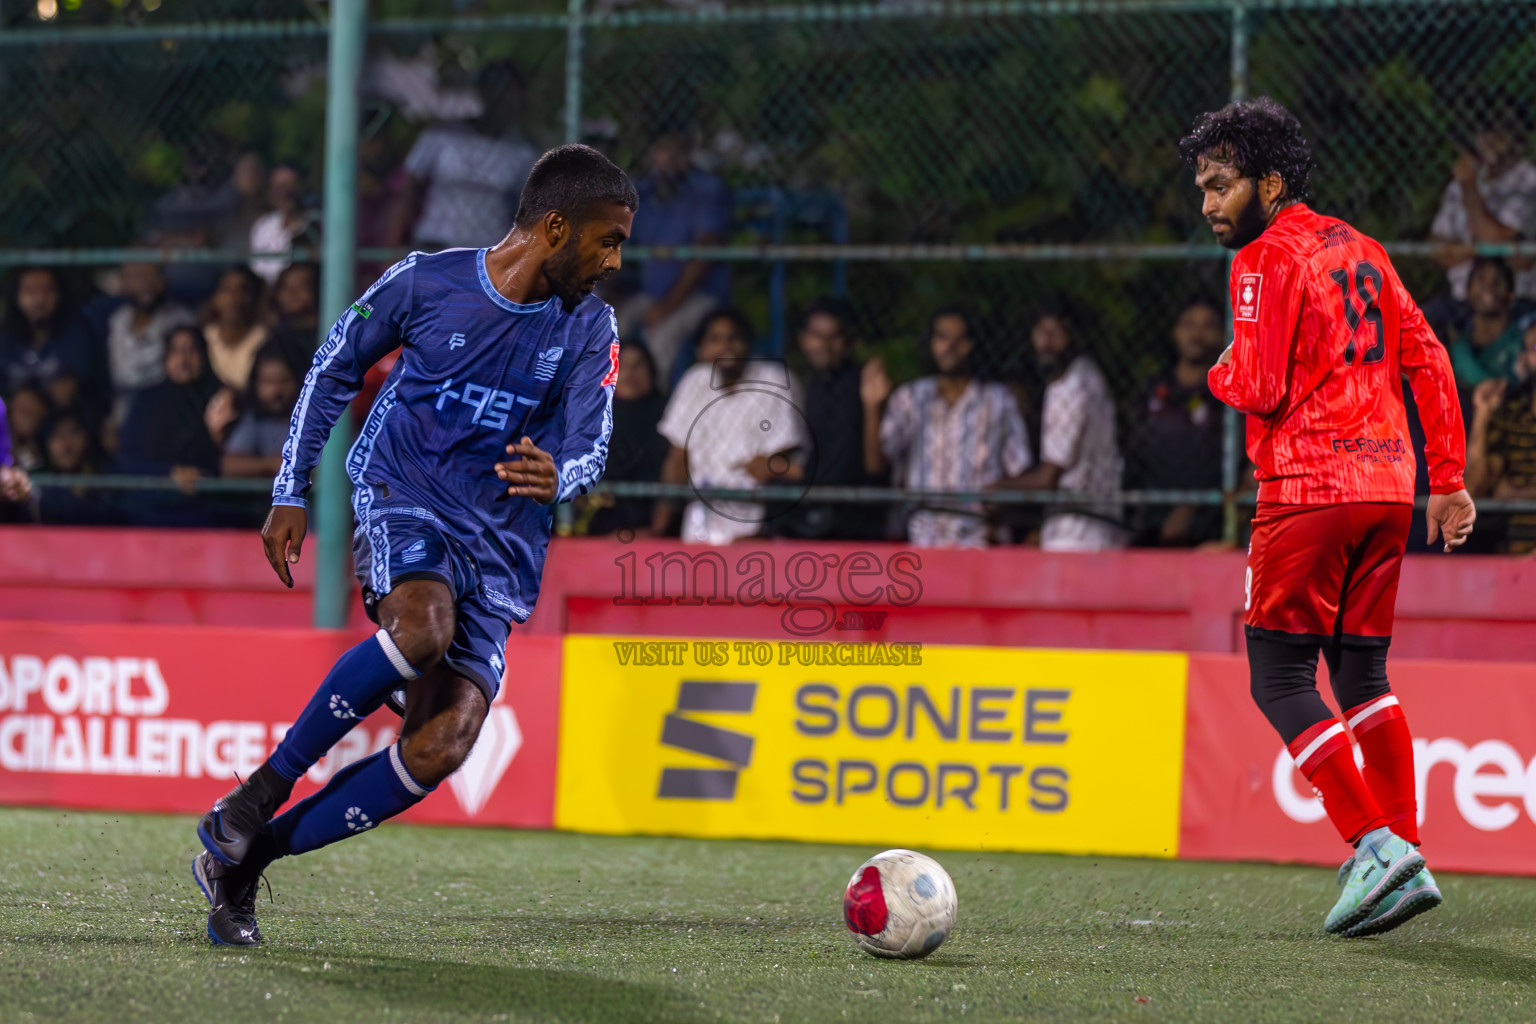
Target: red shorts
{"x":1317,"y":572}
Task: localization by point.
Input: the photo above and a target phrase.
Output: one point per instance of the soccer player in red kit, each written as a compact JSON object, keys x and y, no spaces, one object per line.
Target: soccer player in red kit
{"x":1323,"y":332}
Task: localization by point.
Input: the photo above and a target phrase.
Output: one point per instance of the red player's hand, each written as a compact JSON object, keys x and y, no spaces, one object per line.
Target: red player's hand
{"x":532,"y":475}
{"x":283,"y":537}
{"x":1451,"y":517}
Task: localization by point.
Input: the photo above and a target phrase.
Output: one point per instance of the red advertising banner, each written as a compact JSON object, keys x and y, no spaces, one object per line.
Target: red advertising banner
{"x":1474,"y":738}
{"x":162,"y":718}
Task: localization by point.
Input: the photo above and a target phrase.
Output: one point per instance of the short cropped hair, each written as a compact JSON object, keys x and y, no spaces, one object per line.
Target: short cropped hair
{"x":575,"y":180}
{"x":1258,"y":137}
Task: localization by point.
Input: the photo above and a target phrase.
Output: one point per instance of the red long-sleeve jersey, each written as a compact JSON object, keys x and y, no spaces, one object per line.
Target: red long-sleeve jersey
{"x":1323,"y":331}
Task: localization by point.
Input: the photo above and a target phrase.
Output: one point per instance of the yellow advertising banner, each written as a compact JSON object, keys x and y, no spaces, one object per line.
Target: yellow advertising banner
{"x":882,"y":743}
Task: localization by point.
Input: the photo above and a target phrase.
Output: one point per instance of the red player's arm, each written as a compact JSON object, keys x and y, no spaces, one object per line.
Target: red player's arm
{"x":1255,"y":379}
{"x":1434,"y":391}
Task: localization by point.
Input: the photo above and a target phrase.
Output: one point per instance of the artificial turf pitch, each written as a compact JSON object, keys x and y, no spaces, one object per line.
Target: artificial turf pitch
{"x":100,"y":921}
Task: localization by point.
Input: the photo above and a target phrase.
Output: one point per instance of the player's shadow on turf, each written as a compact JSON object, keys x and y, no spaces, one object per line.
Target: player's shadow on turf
{"x":1465,"y":961}
{"x":482,"y":991}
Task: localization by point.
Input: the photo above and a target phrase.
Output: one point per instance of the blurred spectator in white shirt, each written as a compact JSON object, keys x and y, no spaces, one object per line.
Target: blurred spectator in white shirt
{"x":1491,"y":198}
{"x":732,"y":422}
{"x":137,"y":332}
{"x":285,"y":224}
{"x":234,"y":329}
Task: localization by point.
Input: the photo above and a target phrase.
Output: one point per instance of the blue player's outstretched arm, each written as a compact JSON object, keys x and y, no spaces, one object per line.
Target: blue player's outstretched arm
{"x":369,"y":329}
{"x":588,"y":408}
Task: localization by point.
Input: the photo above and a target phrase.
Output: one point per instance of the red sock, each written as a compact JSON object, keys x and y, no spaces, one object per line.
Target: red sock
{"x":1324,"y":756}
{"x":1382,"y":732}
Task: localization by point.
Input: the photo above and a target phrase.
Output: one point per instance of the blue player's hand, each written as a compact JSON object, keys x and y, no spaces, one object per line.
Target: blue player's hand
{"x":282,"y":538}
{"x":532,"y":475}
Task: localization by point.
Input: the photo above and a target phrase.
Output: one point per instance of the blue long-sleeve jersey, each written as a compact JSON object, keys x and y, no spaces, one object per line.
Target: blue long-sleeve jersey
{"x":476,"y":372}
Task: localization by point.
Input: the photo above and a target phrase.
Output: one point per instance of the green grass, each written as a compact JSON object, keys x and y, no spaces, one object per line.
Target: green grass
{"x":100,"y":921}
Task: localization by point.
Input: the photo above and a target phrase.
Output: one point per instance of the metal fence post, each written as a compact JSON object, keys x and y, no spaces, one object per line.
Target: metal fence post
{"x":333,"y":569}
{"x":1232,"y":421}
{"x":574,"y":24}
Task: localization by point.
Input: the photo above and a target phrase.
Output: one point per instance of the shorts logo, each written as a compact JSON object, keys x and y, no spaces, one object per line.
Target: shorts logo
{"x":1247,"y":306}
{"x":415,"y":553}
{"x":733,"y":748}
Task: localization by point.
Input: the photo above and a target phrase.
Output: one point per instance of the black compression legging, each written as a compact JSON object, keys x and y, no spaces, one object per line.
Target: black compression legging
{"x":1282,"y":676}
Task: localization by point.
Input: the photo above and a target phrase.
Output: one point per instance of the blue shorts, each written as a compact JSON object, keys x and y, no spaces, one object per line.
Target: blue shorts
{"x":396,"y":545}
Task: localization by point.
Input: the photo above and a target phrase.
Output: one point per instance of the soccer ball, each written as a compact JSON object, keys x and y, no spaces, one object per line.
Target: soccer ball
{"x":900,"y":905}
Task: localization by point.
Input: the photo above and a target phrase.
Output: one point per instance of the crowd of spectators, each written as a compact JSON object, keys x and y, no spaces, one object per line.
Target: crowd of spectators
{"x":138,"y":380}
{"x":190,"y":370}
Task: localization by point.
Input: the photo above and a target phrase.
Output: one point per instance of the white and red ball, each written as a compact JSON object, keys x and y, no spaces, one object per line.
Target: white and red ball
{"x":900,"y":905}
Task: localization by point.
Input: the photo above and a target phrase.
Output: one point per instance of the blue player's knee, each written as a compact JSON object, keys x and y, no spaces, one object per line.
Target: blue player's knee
{"x":422,"y":631}
{"x":435,"y":748}
{"x":435,"y":751}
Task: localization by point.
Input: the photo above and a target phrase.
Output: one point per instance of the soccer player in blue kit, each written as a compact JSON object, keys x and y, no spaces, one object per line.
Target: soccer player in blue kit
{"x":506,"y":344}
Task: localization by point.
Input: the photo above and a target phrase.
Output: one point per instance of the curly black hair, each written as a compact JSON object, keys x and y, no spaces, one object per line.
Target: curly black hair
{"x":1258,"y":136}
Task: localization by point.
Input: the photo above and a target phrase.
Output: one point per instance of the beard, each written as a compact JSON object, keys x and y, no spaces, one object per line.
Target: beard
{"x":1249,"y":225}
{"x":563,"y":271}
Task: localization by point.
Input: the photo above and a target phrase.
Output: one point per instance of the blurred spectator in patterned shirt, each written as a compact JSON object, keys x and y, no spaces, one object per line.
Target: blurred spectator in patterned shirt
{"x":1078,"y":451}
{"x":466,"y":177}
{"x":947,"y":431}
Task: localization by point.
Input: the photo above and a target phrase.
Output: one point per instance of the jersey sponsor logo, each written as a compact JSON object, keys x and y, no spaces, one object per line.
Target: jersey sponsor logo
{"x":457,"y":340}
{"x":1247,"y":305}
{"x":1371,"y":449}
{"x":1372,"y":445}
{"x":546,"y":363}
{"x":362,"y":309}
{"x":1335,"y":235}
{"x":491,"y":405}
{"x":612,"y":376}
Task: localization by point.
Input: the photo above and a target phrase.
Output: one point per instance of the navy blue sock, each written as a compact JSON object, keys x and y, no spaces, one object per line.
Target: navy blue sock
{"x":357,"y":798}
{"x":354,"y":688}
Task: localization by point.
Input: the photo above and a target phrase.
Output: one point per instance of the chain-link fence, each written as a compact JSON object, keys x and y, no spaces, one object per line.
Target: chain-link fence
{"x":1014,"y":159}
